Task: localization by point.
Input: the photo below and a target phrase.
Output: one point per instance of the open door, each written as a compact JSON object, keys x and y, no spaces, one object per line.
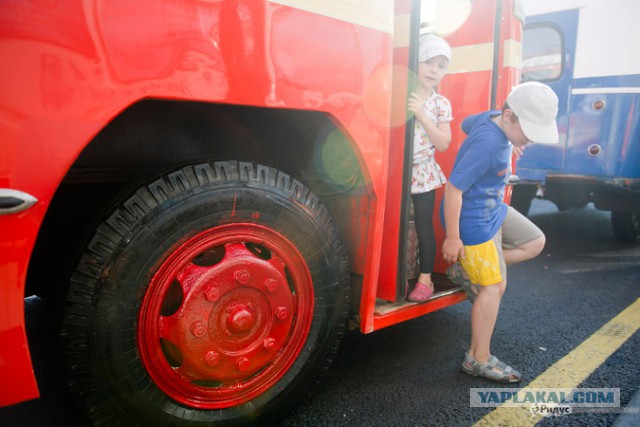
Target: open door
{"x":484,"y":36}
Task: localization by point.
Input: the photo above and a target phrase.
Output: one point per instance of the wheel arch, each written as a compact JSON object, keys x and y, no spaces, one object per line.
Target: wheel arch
{"x":152,"y":136}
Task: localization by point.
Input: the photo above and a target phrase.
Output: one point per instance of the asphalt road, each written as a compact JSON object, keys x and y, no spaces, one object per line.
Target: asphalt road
{"x":408,"y":374}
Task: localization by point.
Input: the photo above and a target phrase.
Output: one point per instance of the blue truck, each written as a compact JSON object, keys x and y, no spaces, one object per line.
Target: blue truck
{"x":586,"y":51}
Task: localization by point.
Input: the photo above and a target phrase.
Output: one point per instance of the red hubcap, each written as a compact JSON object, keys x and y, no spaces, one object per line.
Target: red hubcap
{"x":225,"y":316}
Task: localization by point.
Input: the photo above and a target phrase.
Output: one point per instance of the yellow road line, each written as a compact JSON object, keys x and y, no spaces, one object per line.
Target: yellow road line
{"x":574,"y":368}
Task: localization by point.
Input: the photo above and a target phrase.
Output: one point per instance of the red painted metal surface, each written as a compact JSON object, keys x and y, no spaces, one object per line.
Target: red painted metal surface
{"x":385,"y":285}
{"x":18,"y":381}
{"x":75,"y":65}
{"x":510,"y":29}
{"x":469,"y":93}
{"x":225,"y":316}
{"x":408,"y":312}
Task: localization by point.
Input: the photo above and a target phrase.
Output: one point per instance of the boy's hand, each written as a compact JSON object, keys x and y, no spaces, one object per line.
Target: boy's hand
{"x":452,"y":249}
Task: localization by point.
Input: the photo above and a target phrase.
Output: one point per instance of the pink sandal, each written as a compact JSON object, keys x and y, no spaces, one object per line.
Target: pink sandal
{"x":421,"y":292}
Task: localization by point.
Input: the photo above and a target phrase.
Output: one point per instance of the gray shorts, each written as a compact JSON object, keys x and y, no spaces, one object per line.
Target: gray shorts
{"x":516,"y":230}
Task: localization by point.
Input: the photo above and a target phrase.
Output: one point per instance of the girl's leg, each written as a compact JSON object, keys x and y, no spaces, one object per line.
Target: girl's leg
{"x":423,"y":205}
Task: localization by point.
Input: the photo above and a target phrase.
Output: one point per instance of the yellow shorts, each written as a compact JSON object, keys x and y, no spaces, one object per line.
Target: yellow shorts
{"x":484,"y":262}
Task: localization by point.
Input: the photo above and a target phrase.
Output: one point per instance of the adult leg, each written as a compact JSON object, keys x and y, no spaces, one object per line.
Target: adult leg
{"x":521,"y":238}
{"x":524,"y":252}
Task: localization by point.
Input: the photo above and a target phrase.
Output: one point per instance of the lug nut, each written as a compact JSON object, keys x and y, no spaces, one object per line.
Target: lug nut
{"x":242,"y":364}
{"x":242,"y":276}
{"x":282,"y":313}
{"x":198,"y":329}
{"x":271,"y":285}
{"x":269,"y":344}
{"x":212,"y":358}
{"x":212,"y":294}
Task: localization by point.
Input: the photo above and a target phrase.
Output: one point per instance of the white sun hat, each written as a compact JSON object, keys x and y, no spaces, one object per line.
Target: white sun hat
{"x":536,"y":106}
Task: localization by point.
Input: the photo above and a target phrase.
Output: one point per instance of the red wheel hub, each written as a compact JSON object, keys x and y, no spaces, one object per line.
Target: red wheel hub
{"x":225,"y":316}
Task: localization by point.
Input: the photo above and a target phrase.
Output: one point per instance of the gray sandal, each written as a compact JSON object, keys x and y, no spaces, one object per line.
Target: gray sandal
{"x":493,"y":370}
{"x":455,"y":273}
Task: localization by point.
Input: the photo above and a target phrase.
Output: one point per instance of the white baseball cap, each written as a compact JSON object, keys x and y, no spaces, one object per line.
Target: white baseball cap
{"x":536,"y":106}
{"x":431,"y":45}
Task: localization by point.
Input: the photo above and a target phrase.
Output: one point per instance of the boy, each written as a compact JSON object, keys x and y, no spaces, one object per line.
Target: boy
{"x":483,"y":234}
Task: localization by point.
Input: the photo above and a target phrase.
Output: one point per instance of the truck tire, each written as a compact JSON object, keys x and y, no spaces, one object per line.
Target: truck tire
{"x":626,"y":225}
{"x":214,"y":295}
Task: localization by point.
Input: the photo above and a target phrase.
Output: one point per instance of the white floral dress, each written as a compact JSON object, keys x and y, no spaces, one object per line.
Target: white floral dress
{"x":427,"y":175}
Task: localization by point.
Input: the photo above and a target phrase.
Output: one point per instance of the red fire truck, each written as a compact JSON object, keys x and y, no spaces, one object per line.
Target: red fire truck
{"x":210,"y":191}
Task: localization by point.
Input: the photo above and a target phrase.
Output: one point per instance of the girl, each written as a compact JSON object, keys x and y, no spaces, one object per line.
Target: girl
{"x":432,"y":132}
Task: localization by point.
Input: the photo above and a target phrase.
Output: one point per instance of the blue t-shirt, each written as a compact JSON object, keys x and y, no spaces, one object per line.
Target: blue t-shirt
{"x":481,"y":170}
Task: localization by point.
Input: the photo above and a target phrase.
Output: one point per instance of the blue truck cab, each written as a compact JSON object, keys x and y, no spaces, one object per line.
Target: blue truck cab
{"x":586,"y":51}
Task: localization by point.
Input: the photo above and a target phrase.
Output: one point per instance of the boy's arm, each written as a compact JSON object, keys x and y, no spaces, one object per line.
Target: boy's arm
{"x":452,"y":246}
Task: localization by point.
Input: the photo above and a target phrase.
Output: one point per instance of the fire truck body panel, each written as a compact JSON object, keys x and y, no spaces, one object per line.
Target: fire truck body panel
{"x":108,"y":56}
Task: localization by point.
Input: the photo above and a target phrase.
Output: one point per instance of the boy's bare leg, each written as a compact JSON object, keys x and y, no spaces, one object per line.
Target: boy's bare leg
{"x":484,"y":312}
{"x":483,"y":320}
{"x":524,"y":252}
